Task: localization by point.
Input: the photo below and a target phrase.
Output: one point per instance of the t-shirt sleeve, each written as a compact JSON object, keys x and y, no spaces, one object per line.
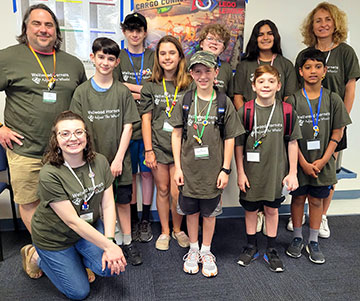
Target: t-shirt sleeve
{"x":352,"y":69}
{"x":340,"y":115}
{"x":233,"y":126}
{"x":75,"y":105}
{"x":131,"y":113}
{"x":3,"y":77}
{"x":146,"y":99}
{"x":296,"y":131}
{"x":291,"y":84}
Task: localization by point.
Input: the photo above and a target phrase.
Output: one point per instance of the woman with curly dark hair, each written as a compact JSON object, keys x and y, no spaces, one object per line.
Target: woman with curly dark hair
{"x":67,"y":233}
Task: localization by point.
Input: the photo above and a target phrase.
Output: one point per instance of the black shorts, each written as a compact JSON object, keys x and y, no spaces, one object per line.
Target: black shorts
{"x":122,"y":193}
{"x":257,"y":205}
{"x":206,"y":207}
{"x":319,"y":192}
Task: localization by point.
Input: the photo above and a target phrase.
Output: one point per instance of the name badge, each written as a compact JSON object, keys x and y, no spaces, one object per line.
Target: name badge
{"x":49,"y":96}
{"x":201,"y":152}
{"x":253,"y":156}
{"x":87,"y":217}
{"x":167,"y":127}
{"x":313,"y":144}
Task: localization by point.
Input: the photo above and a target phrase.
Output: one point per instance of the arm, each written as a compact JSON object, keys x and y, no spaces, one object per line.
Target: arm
{"x":176,"y":149}
{"x":238,"y":101}
{"x":112,"y":253}
{"x":336,"y":135}
{"x":223,"y":178}
{"x":243,"y":181}
{"x":135,"y":90}
{"x":291,"y":180}
{"x":308,"y":168}
{"x":349,"y":94}
{"x":109,"y":213}
{"x":117,"y":163}
{"x":8,"y":136}
{"x":150,"y":158}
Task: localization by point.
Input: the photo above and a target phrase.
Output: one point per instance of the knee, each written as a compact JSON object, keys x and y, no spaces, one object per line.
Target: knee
{"x":78,"y":293}
{"x":315,"y":203}
{"x":163,"y":190}
{"x":270,"y":211}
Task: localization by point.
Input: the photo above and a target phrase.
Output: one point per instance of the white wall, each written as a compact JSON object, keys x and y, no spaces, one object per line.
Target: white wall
{"x":288,"y":16}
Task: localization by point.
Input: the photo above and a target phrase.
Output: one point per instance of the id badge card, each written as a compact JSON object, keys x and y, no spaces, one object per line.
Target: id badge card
{"x":167,"y":127}
{"x":201,"y":152}
{"x":87,"y":216}
{"x":253,"y":156}
{"x":313,"y":144}
{"x":49,"y":96}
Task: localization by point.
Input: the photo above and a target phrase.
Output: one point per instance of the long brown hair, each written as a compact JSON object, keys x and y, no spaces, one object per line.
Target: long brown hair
{"x":182,"y":77}
{"x":53,"y":154}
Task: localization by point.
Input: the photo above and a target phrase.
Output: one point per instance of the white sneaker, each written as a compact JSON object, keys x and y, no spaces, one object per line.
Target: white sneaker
{"x":209,"y":268}
{"x":260,"y":221}
{"x":324,"y":231}
{"x":290,"y":225}
{"x":191,"y":261}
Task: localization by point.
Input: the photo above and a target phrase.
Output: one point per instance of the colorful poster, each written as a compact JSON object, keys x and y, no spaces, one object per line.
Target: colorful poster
{"x":185,"y":18}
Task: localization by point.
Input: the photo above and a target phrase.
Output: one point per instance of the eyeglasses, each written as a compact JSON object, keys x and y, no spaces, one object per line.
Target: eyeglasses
{"x":66,"y":135}
{"x":212,"y":39}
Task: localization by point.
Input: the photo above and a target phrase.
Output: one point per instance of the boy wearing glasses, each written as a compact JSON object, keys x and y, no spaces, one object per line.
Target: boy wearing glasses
{"x":109,"y":111}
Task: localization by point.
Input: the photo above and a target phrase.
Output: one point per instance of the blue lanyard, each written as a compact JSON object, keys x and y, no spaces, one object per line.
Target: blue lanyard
{"x":315,"y":123}
{"x":141,"y":68}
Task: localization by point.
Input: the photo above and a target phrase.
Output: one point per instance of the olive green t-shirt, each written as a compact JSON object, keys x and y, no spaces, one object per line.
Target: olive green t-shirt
{"x":342,"y":64}
{"x":245,"y":74}
{"x":333,"y":115}
{"x":105,"y":114}
{"x":125,"y":73}
{"x":24,"y":82}
{"x":265,"y":177}
{"x":200,"y":176}
{"x":56,"y":184}
{"x":153,"y":99}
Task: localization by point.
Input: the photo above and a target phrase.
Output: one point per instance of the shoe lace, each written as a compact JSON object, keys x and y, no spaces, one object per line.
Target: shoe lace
{"x":144,"y":226}
{"x":208,"y":258}
{"x":248,"y":251}
{"x":297,"y":241}
{"x":315,"y":246}
{"x":273,"y":255}
{"x":192,"y":255}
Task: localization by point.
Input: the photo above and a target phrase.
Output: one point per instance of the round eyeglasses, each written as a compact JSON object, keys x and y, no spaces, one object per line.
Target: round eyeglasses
{"x":66,"y":135}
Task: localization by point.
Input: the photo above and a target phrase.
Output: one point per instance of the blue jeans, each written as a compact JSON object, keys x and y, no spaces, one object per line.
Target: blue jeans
{"x":66,"y":268}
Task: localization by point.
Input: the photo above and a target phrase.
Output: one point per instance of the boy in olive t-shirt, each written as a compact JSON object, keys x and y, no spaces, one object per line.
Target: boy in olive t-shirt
{"x":322,"y":117}
{"x":109,"y":111}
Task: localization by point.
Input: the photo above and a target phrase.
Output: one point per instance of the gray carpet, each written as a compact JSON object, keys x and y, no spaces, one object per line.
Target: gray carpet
{"x":160,"y":277}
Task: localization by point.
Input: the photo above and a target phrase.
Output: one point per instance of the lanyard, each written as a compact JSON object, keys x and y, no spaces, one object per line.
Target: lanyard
{"x":258,"y":141}
{"x":205,"y":122}
{"x":272,"y":60}
{"x":51,"y":81}
{"x":85,"y":206}
{"x":168,"y":108}
{"x":315,"y":123}
{"x":141,"y":68}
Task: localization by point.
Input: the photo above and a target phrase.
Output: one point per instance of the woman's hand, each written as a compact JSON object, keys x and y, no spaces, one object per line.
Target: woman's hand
{"x":114,"y":258}
{"x":150,"y":159}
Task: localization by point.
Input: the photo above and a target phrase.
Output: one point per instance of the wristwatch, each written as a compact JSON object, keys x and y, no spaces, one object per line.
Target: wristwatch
{"x":227,"y":171}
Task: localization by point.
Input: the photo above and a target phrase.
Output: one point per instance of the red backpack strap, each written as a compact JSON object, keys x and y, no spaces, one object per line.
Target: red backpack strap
{"x":249,"y":115}
{"x":288,"y":118}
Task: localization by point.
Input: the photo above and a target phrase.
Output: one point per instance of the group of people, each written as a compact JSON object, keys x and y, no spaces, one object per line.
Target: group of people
{"x":75,"y":146}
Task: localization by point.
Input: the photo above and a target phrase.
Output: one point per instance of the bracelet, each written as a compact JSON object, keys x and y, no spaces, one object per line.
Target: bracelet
{"x":149,"y":150}
{"x":333,"y":140}
{"x":1,"y":125}
{"x":110,"y":238}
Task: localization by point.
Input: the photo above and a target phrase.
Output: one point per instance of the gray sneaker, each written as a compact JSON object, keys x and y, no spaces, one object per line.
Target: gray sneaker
{"x":145,"y":233}
{"x":249,"y":254}
{"x":135,"y":231}
{"x":315,"y":255}
{"x":295,"y":248}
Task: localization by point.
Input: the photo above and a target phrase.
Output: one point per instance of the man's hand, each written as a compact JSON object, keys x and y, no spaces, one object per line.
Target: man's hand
{"x":7,"y":136}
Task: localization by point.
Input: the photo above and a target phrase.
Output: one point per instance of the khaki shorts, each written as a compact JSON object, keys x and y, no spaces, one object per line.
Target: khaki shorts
{"x":24,"y":177}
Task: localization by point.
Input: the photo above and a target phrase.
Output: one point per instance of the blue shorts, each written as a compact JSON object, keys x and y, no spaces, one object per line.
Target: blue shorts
{"x":257,"y":205}
{"x":137,"y":156}
{"x":319,"y":192}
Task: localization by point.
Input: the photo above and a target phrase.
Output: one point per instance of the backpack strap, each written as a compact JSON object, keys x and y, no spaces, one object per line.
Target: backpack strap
{"x":249,"y":107}
{"x":187,"y":101}
{"x":288,"y":120}
{"x":220,"y":122}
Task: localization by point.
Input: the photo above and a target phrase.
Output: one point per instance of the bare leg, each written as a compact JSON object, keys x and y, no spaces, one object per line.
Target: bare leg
{"x":176,"y":217}
{"x":123,"y":211}
{"x":208,"y":230}
{"x":147,"y":185}
{"x":192,"y":222}
{"x":297,"y":210}
{"x":315,"y":212}
{"x":251,"y":222}
{"x":271,"y":220}
{"x":134,"y":192}
{"x":26,"y":212}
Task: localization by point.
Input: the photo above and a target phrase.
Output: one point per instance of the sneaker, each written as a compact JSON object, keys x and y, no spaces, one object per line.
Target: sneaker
{"x":271,"y":256}
{"x":209,"y":268}
{"x":324,"y":231}
{"x":290,"y":225}
{"x":182,"y":239}
{"x":295,"y":248}
{"x":260,"y":221}
{"x":145,"y":233}
{"x":135,"y":231}
{"x":132,"y":254}
{"x":315,"y":255}
{"x":191,"y":261}
{"x":163,"y":242}
{"x":249,"y":254}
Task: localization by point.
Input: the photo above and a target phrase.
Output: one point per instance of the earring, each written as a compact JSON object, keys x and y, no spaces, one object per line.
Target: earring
{"x":59,"y":150}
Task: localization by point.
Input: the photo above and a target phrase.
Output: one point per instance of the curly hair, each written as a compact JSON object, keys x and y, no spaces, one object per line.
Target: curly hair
{"x":266,"y":69}
{"x":53,"y":154}
{"x":340,"y":23}
{"x":216,"y":29}
{"x":182,"y":79}
{"x":252,"y":48}
{"x":22,"y":38}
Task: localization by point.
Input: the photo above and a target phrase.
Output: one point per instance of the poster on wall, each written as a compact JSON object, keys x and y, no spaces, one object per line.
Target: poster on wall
{"x":185,"y":18}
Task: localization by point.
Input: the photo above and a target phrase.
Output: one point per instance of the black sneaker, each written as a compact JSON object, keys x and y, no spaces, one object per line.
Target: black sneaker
{"x":315,"y":255}
{"x":271,"y":256}
{"x":132,"y":254}
{"x":249,"y":254}
{"x":295,"y":248}
{"x":145,"y":233}
{"x":135,"y":231}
